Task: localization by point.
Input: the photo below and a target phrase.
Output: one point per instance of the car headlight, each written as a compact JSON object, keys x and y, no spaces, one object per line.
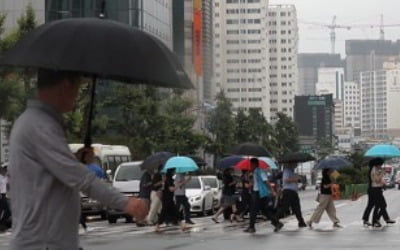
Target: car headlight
{"x":196,"y":198}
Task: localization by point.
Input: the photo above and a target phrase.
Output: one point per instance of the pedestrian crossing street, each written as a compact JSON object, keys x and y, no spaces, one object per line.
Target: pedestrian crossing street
{"x":101,"y":230}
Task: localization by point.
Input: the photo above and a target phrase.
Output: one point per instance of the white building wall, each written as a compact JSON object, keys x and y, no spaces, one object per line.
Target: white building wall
{"x":282,"y":35}
{"x":380,"y":100}
{"x":330,"y":81}
{"x":351,"y":105}
{"x":240,"y":49}
{"x":157,"y":19}
{"x":3,"y":142}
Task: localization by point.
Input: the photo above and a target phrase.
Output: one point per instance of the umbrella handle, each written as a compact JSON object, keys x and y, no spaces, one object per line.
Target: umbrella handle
{"x":88,"y":133}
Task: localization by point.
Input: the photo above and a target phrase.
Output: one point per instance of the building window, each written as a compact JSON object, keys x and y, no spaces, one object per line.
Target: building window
{"x":232,"y":1}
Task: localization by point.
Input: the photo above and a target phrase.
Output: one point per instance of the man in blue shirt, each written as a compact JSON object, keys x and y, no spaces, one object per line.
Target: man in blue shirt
{"x":262,"y":194}
{"x":290,"y":198}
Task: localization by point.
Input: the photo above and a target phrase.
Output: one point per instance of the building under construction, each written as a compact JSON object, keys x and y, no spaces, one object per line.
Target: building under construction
{"x":368,"y":55}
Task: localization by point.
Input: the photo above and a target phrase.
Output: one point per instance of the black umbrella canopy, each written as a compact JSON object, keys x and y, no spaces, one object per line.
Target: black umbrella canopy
{"x":104,"y":48}
{"x":154,"y":161}
{"x":295,"y":157}
{"x":250,"y":149}
{"x":99,"y":48}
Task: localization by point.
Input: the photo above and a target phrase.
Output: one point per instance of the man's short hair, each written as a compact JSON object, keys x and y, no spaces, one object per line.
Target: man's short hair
{"x":47,"y":78}
{"x":254,"y":161}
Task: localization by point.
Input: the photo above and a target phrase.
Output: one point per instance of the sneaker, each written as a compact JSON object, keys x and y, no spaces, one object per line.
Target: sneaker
{"x":249,"y":230}
{"x":366,"y":223}
{"x":377,"y":224}
{"x":278,"y":227}
{"x":190,"y":222}
{"x":303,"y":224}
{"x":337,"y":225}
{"x":309,"y":224}
{"x":390,"y":221}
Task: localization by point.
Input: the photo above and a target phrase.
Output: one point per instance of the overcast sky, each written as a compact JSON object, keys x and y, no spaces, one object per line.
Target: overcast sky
{"x":348,"y":12}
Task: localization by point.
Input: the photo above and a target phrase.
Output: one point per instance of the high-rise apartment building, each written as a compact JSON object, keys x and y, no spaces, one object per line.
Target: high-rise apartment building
{"x":351,"y":105}
{"x":282,"y":36}
{"x":380,"y":101}
{"x":240,"y":53}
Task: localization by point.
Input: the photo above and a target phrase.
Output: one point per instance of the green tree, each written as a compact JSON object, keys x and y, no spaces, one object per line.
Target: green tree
{"x":241,"y":131}
{"x":324,"y":148}
{"x":222,"y":126}
{"x":177,"y":134}
{"x":286,"y":134}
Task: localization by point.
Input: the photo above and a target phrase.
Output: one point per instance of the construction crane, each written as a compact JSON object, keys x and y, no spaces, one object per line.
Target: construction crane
{"x":333,"y":26}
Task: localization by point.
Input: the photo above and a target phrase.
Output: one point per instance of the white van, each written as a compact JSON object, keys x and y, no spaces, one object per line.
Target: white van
{"x":107,"y":156}
{"x":127,"y":180}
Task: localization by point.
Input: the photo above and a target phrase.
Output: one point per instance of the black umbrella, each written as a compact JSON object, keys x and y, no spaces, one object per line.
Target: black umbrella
{"x":250,"y":149}
{"x":99,"y":48}
{"x":295,"y":157}
{"x":154,"y":161}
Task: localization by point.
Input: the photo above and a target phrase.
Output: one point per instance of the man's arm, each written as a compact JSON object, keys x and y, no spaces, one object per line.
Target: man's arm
{"x":55,"y":156}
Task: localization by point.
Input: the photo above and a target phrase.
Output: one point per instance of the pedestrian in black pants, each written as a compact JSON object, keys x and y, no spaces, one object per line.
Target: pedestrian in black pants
{"x":180,"y":196}
{"x":290,"y":197}
{"x":261,"y":197}
{"x":377,"y":185}
{"x":370,"y":204}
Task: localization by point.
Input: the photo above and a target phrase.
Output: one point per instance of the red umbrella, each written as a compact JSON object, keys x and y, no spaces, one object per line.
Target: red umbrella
{"x":245,"y":164}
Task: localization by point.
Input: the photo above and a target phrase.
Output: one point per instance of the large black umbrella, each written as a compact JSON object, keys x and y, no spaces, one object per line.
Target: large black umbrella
{"x":154,"y":161}
{"x":99,"y":48}
{"x":295,"y":157}
{"x":250,"y":149}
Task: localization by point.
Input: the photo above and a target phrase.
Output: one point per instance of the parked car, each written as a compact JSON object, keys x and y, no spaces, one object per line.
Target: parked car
{"x":398,"y":179}
{"x":200,"y":195}
{"x":389,"y":181}
{"x":216,"y":188}
{"x":91,"y":207}
{"x":126,"y":180}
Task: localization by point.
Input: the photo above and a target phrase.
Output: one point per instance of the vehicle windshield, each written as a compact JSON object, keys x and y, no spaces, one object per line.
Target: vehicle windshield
{"x":211,"y":182}
{"x":193,"y":184}
{"x":128,"y":173}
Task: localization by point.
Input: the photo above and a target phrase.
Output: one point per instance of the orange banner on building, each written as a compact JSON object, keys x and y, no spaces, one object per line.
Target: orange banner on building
{"x":198,"y":42}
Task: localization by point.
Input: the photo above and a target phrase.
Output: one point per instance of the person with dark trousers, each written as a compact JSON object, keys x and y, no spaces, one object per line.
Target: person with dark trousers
{"x":290,"y":197}
{"x":228,"y":196}
{"x":245,"y":193}
{"x":261,"y":198}
{"x":379,"y":202}
{"x":370,"y":204}
{"x":180,"y":196}
{"x":145,"y":188}
{"x":169,"y":212}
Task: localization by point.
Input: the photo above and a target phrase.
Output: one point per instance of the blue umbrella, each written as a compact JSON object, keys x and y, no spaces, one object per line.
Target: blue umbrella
{"x":228,"y":162}
{"x":332,"y":162}
{"x":383,"y":150}
{"x":269,"y":161}
{"x":181,"y":164}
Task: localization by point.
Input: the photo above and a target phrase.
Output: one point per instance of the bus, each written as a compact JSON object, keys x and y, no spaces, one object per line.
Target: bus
{"x":109,"y":157}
